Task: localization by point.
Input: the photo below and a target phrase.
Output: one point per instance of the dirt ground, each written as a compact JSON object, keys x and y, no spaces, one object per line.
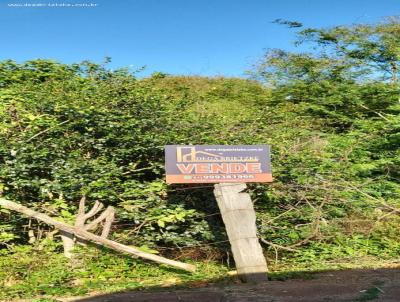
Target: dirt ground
{"x":348,"y":285}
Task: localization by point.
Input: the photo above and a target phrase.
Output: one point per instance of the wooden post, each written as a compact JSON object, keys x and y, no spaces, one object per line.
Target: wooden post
{"x":240,"y":221}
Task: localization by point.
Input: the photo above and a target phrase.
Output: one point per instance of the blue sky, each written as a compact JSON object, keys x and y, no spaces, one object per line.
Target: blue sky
{"x":192,"y":37}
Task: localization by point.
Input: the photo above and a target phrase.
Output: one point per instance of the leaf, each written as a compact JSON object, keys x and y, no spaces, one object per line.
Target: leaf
{"x":161,"y":223}
{"x":145,"y":248}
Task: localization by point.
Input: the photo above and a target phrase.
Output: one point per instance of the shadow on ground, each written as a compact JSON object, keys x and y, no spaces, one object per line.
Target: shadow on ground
{"x":346,"y":285}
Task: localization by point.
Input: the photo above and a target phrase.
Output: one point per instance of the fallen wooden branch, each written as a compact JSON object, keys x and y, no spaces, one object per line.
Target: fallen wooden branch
{"x":83,"y":234}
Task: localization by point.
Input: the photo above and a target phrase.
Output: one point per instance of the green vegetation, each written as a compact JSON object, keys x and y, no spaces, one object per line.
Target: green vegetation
{"x":23,"y":274}
{"x":331,"y":116}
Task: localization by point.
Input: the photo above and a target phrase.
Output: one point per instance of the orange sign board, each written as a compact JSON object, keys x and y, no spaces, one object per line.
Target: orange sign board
{"x":217,"y":163}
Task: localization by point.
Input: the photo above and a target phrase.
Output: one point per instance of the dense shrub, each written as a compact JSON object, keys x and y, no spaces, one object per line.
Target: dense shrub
{"x":82,"y":129}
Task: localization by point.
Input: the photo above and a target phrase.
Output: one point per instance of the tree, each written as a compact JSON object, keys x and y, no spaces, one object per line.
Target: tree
{"x":352,"y":72}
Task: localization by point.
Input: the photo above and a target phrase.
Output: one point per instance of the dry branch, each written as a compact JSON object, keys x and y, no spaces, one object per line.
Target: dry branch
{"x":277,"y":246}
{"x":107,"y":224}
{"x":106,"y":214}
{"x":64,"y":227}
{"x":80,"y":222}
{"x":46,"y":130}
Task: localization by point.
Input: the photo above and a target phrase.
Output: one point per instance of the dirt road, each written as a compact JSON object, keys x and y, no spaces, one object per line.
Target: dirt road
{"x":349,"y":285}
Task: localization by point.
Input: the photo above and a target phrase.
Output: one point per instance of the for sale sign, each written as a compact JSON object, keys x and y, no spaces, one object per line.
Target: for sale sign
{"x":217,"y":163}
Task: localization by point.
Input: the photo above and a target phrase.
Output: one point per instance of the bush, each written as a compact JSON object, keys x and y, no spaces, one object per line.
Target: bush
{"x":82,"y":129}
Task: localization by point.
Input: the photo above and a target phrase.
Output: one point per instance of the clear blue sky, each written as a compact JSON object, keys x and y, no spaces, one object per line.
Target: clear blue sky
{"x":204,"y":37}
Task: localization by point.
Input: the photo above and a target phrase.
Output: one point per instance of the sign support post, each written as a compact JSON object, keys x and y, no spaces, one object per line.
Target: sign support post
{"x":230,"y":168}
{"x":240,"y":222}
